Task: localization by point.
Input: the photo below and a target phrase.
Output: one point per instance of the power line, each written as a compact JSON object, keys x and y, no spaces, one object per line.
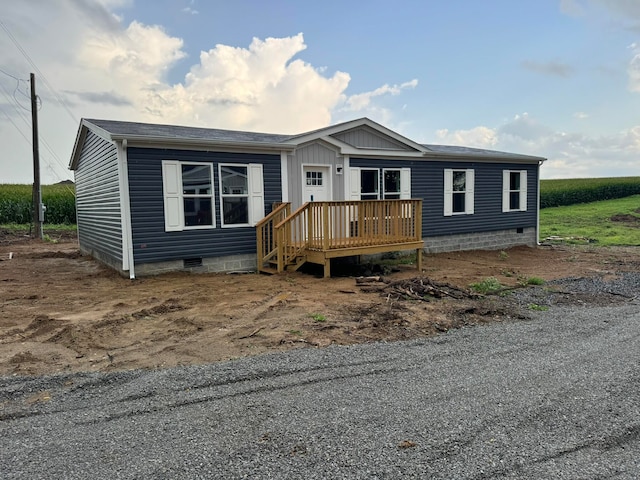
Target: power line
{"x":40,"y":74}
{"x":28,"y":124}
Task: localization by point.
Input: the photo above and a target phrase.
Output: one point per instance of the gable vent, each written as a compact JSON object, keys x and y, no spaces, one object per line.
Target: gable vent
{"x":192,"y":262}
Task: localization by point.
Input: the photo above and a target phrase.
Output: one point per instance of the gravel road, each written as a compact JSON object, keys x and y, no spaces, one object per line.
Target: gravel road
{"x":554,"y":397}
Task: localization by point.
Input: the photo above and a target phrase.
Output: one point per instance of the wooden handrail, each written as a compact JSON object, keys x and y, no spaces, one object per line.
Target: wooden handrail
{"x":266,"y":241}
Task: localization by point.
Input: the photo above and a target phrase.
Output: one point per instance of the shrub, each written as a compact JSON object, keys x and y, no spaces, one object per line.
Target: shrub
{"x":488,"y":285}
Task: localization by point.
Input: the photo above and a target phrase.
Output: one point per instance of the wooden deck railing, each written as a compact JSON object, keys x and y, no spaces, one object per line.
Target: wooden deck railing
{"x":266,"y":245}
{"x":338,"y":229}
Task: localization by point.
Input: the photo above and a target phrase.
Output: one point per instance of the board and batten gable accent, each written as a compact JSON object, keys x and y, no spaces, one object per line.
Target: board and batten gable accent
{"x":316,"y":153}
{"x":151,"y":243}
{"x":427,"y":183}
{"x":98,"y":208}
{"x":364,"y":137}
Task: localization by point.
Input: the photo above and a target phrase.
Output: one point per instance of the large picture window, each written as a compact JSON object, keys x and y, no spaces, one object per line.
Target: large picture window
{"x":188,"y":195}
{"x":458,"y":192}
{"x":514,"y":190}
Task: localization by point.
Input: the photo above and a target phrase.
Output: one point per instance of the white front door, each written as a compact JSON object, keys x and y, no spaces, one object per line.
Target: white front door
{"x":315,"y":184}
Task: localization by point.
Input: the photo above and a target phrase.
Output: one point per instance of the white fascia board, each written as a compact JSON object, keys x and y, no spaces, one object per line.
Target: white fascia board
{"x":199,"y":144}
{"x":326,"y":132}
{"x":77,"y":147}
{"x":443,"y":156}
{"x":82,"y":134}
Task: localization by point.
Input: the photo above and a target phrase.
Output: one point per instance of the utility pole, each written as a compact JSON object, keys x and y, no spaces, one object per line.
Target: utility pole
{"x":38,"y":214}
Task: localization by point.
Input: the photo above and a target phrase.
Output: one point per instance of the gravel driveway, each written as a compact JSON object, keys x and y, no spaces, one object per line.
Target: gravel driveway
{"x":557,"y":396}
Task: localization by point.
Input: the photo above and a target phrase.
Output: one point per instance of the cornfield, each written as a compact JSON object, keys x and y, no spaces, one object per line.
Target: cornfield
{"x":16,"y":204}
{"x":556,"y":193}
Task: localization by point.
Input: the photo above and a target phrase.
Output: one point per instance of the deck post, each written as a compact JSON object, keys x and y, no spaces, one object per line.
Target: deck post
{"x":281,"y":249}
{"x":327,"y":267}
{"x":325,"y":226}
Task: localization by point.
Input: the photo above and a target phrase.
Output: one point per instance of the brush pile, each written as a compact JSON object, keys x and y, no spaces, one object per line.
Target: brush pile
{"x":417,"y":288}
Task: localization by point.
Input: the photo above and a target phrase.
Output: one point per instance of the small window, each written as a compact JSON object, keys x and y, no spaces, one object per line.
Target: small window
{"x":235,"y":194}
{"x":314,"y":178}
{"x":391,"y":185}
{"x":196,"y":195}
{"x":188,"y":195}
{"x":514,"y":190}
{"x":369,"y":184}
{"x":458,"y":192}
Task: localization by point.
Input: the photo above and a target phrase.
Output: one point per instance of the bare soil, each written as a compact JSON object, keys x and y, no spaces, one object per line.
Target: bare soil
{"x":62,"y":311}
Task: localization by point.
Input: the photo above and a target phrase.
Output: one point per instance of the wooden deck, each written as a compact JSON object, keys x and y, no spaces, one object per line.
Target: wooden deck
{"x":320,"y":231}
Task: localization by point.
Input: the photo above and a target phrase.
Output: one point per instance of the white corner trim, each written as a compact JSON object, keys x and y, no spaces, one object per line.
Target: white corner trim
{"x":346,"y":174}
{"x":125,"y":210}
{"x":284,"y":176}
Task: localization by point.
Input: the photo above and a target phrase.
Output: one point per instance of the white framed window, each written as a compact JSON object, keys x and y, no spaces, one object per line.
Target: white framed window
{"x":514,"y":190}
{"x":314,"y":178}
{"x":188,"y":195}
{"x":458,"y":192}
{"x":369,"y":184}
{"x":373,"y":183}
{"x":241,"y":194}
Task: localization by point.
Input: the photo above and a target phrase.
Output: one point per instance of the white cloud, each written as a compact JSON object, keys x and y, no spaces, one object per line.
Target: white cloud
{"x":634,"y":68}
{"x":102,"y":68}
{"x":622,"y":13}
{"x":479,"y":137}
{"x":570,"y":155}
{"x":580,"y":115}
{"x":361,"y":101}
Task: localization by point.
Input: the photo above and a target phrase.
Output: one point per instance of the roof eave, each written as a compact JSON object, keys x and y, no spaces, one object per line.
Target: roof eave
{"x":484,"y":157}
{"x":145,"y":139}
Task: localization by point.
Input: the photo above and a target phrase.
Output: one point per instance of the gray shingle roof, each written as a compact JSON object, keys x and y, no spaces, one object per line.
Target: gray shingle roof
{"x":476,"y":152}
{"x":130,"y":130}
{"x":134,"y":129}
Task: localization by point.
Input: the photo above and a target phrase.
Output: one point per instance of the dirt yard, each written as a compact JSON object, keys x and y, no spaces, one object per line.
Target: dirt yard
{"x":62,"y":311}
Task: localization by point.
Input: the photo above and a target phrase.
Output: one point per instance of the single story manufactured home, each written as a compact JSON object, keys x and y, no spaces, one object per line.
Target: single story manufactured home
{"x":156,"y":198}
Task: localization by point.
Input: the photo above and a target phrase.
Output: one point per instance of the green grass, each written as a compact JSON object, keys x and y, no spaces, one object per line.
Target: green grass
{"x":318,"y":317}
{"x":592,"y":223}
{"x":488,"y":285}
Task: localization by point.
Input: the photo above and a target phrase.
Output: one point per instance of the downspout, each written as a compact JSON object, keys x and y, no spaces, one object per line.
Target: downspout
{"x":126,"y":211}
{"x":538,"y":207}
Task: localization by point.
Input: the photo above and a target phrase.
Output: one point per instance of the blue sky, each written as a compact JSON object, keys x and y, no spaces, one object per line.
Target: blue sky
{"x":554,"y":78}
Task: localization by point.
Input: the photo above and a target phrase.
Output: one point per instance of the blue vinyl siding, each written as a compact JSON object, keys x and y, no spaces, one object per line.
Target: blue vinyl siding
{"x":98,"y":200}
{"x":427,"y":182}
{"x":150,"y":241}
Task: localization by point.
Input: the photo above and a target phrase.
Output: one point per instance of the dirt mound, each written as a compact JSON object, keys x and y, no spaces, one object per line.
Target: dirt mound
{"x":626,"y":218}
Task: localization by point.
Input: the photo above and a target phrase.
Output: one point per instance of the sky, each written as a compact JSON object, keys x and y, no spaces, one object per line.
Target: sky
{"x":553,"y":78}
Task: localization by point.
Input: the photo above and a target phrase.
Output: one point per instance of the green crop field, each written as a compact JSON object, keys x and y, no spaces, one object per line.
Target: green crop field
{"x":556,"y":193}
{"x":16,"y":200}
